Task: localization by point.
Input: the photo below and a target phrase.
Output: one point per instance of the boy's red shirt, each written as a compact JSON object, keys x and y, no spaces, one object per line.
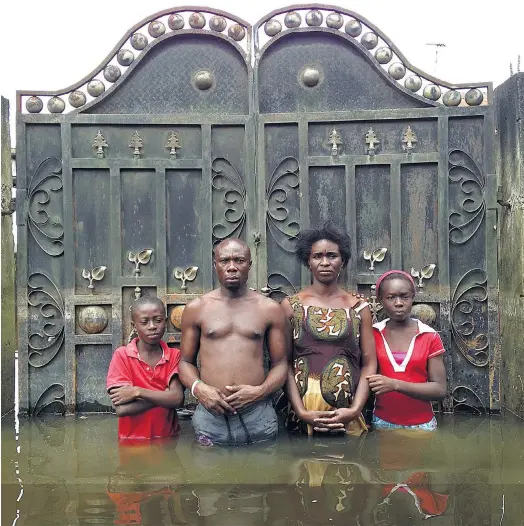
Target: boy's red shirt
{"x":127,"y":368}
{"x":399,"y":408}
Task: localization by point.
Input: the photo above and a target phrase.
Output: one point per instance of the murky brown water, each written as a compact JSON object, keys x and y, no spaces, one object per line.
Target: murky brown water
{"x":71,"y":471}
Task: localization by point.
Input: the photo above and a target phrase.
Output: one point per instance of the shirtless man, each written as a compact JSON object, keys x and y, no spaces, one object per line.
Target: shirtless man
{"x":228,"y":327}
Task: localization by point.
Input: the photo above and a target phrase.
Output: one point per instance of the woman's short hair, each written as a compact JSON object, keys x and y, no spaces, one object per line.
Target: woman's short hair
{"x":307,"y":238}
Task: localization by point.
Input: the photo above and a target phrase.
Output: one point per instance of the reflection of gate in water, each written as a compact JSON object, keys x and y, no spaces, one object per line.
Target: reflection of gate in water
{"x":176,"y":141}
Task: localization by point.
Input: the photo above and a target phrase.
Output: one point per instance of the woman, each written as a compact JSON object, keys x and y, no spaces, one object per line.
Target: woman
{"x":333,"y":346}
{"x":410,"y":365}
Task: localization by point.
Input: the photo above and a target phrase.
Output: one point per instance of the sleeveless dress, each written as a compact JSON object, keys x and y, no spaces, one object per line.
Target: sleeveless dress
{"x":326,"y":360}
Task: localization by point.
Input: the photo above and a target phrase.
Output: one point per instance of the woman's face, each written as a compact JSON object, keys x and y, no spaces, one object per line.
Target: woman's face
{"x":325,"y":261}
{"x":396,"y":296}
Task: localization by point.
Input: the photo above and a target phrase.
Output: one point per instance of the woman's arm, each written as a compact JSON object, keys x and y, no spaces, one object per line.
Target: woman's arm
{"x":434,"y":389}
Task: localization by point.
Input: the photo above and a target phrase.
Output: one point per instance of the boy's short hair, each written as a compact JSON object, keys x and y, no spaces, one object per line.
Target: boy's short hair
{"x":146,"y":300}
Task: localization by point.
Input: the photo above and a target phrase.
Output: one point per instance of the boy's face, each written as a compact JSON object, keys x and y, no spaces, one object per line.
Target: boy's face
{"x":149,"y":321}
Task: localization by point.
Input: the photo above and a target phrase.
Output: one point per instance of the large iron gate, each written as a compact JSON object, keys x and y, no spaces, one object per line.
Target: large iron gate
{"x":197,"y":127}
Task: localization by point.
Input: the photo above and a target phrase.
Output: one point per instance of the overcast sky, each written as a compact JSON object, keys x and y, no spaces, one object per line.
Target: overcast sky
{"x":51,"y":45}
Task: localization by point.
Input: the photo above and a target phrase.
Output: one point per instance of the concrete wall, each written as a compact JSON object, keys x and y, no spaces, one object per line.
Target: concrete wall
{"x":509,"y":118}
{"x":9,"y":339}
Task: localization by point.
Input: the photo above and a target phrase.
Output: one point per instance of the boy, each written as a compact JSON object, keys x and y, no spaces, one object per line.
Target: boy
{"x":142,"y":380}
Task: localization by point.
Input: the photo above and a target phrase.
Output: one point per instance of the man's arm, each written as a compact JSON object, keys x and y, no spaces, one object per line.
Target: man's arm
{"x":210,"y":397}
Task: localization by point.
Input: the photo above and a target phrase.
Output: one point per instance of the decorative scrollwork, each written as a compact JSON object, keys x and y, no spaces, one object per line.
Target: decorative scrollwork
{"x":46,"y":300}
{"x":471,"y":288}
{"x":464,"y":224}
{"x":227,"y":181}
{"x":283,"y":223}
{"x":47,"y":231}
{"x":466,"y":399}
{"x":53,"y":395}
{"x":275,"y":285}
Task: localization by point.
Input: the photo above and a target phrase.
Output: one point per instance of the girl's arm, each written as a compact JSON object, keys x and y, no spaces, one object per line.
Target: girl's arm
{"x":434,"y":389}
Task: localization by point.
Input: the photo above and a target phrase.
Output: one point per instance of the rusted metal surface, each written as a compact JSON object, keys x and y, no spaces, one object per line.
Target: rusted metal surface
{"x":140,"y":171}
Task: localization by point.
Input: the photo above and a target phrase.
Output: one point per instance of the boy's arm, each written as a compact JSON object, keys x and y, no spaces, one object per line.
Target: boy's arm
{"x":171,"y":398}
{"x":131,"y":408}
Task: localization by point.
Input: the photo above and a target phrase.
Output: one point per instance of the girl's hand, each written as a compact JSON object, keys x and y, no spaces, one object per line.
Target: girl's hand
{"x":337,"y":421}
{"x":381,"y":384}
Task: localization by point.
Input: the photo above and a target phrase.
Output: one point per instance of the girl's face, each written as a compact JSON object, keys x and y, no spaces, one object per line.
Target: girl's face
{"x":325,"y":261}
{"x":396,"y":296}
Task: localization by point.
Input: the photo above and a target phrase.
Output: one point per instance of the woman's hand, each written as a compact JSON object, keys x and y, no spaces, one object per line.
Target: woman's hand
{"x":336,"y":420}
{"x":380,"y":384}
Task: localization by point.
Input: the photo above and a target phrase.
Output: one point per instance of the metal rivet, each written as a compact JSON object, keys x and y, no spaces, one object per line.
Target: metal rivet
{"x":413,"y":83}
{"x":156,"y":29}
{"x":125,"y":57}
{"x":353,"y":28}
{"x":334,"y":20}
{"x":77,"y":98}
{"x":138,"y":41}
{"x":383,"y":55}
{"x":432,"y":92}
{"x":236,"y":32}
{"x":175,"y":22}
{"x":217,"y":23}
{"x":310,"y":77}
{"x":452,"y":98}
{"x":369,"y":40}
{"x":397,"y":70}
{"x":314,"y":18}
{"x":474,"y":97}
{"x":56,"y":105}
{"x":95,"y":88}
{"x":197,"y":20}
{"x":112,"y":73}
{"x":292,"y":19}
{"x":203,"y":80}
{"x":272,"y":27}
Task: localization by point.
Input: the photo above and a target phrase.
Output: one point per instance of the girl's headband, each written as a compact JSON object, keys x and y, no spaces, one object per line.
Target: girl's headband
{"x":388,"y":273}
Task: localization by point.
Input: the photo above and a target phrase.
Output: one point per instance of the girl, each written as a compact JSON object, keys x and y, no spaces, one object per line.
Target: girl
{"x":411,"y":370}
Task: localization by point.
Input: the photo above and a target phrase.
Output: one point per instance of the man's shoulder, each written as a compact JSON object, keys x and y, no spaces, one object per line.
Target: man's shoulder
{"x":266,"y":304}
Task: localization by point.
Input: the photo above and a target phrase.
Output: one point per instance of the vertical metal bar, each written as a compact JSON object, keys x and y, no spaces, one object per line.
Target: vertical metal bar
{"x":396,"y":215}
{"x":161,"y":232}
{"x":250,"y":181}
{"x":443,"y":206}
{"x":351,"y":224}
{"x":262,"y":270}
{"x":115,"y":189}
{"x":69,"y":271}
{"x":303,"y":186}
{"x":207,"y":204}
{"x":22,"y":266}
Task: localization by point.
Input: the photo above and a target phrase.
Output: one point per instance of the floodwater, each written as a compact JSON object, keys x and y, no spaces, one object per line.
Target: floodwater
{"x":71,"y":471}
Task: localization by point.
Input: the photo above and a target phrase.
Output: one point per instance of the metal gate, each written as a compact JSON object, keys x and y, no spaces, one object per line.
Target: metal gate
{"x":197,"y":127}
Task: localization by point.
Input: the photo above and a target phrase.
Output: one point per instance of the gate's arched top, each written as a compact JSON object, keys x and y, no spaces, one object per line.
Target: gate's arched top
{"x":130,"y":51}
{"x":381,"y":51}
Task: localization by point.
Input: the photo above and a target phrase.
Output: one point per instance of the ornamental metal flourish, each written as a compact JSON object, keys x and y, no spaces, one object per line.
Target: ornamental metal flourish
{"x":282,"y":221}
{"x":470,"y":290}
{"x":53,"y":396}
{"x":47,"y":306}
{"x":47,"y":230}
{"x":95,"y":274}
{"x":464,"y":224}
{"x":229,"y":192}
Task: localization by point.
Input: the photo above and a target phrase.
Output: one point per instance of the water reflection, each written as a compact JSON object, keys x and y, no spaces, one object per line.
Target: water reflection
{"x":74,"y":472}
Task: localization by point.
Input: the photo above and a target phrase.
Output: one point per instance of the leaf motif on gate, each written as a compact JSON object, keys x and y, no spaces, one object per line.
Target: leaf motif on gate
{"x":48,"y":232}
{"x":463,"y":170}
{"x":283,"y":223}
{"x":46,"y":311}
{"x":54,"y":394}
{"x":472,"y":288}
{"x":229,"y":192}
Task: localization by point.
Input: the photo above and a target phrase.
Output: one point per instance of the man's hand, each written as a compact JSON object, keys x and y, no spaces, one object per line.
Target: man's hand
{"x":381,"y":384}
{"x":124,"y":394}
{"x":212,"y":399}
{"x":243,"y":395}
{"x":337,"y":420}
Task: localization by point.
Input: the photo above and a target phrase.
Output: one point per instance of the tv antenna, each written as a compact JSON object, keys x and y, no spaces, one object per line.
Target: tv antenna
{"x":436,"y":45}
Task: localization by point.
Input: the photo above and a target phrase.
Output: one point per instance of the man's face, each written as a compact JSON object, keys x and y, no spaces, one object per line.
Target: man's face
{"x":232,"y":264}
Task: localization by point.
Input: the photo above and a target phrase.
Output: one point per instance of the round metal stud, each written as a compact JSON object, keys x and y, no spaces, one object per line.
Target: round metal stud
{"x":397,"y":70}
{"x":112,"y":73}
{"x":314,"y":18}
{"x":474,"y":97}
{"x":425,"y":313}
{"x":353,"y":28}
{"x":310,"y":77}
{"x":413,"y":83}
{"x":92,"y":319}
{"x":432,"y":92}
{"x":383,"y":55}
{"x":334,"y":20}
{"x":175,"y":22}
{"x":77,"y":99}
{"x":125,"y":57}
{"x":139,"y":41}
{"x":176,"y":316}
{"x":292,"y":19}
{"x":95,"y":88}
{"x":217,"y":23}
{"x":452,"y":98}
{"x":56,"y":105}
{"x":203,"y":80}
{"x":156,"y":29}
{"x":197,"y":20}
{"x":34,"y":104}
{"x":369,"y":40}
{"x":236,"y":32}
{"x":272,"y":27}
